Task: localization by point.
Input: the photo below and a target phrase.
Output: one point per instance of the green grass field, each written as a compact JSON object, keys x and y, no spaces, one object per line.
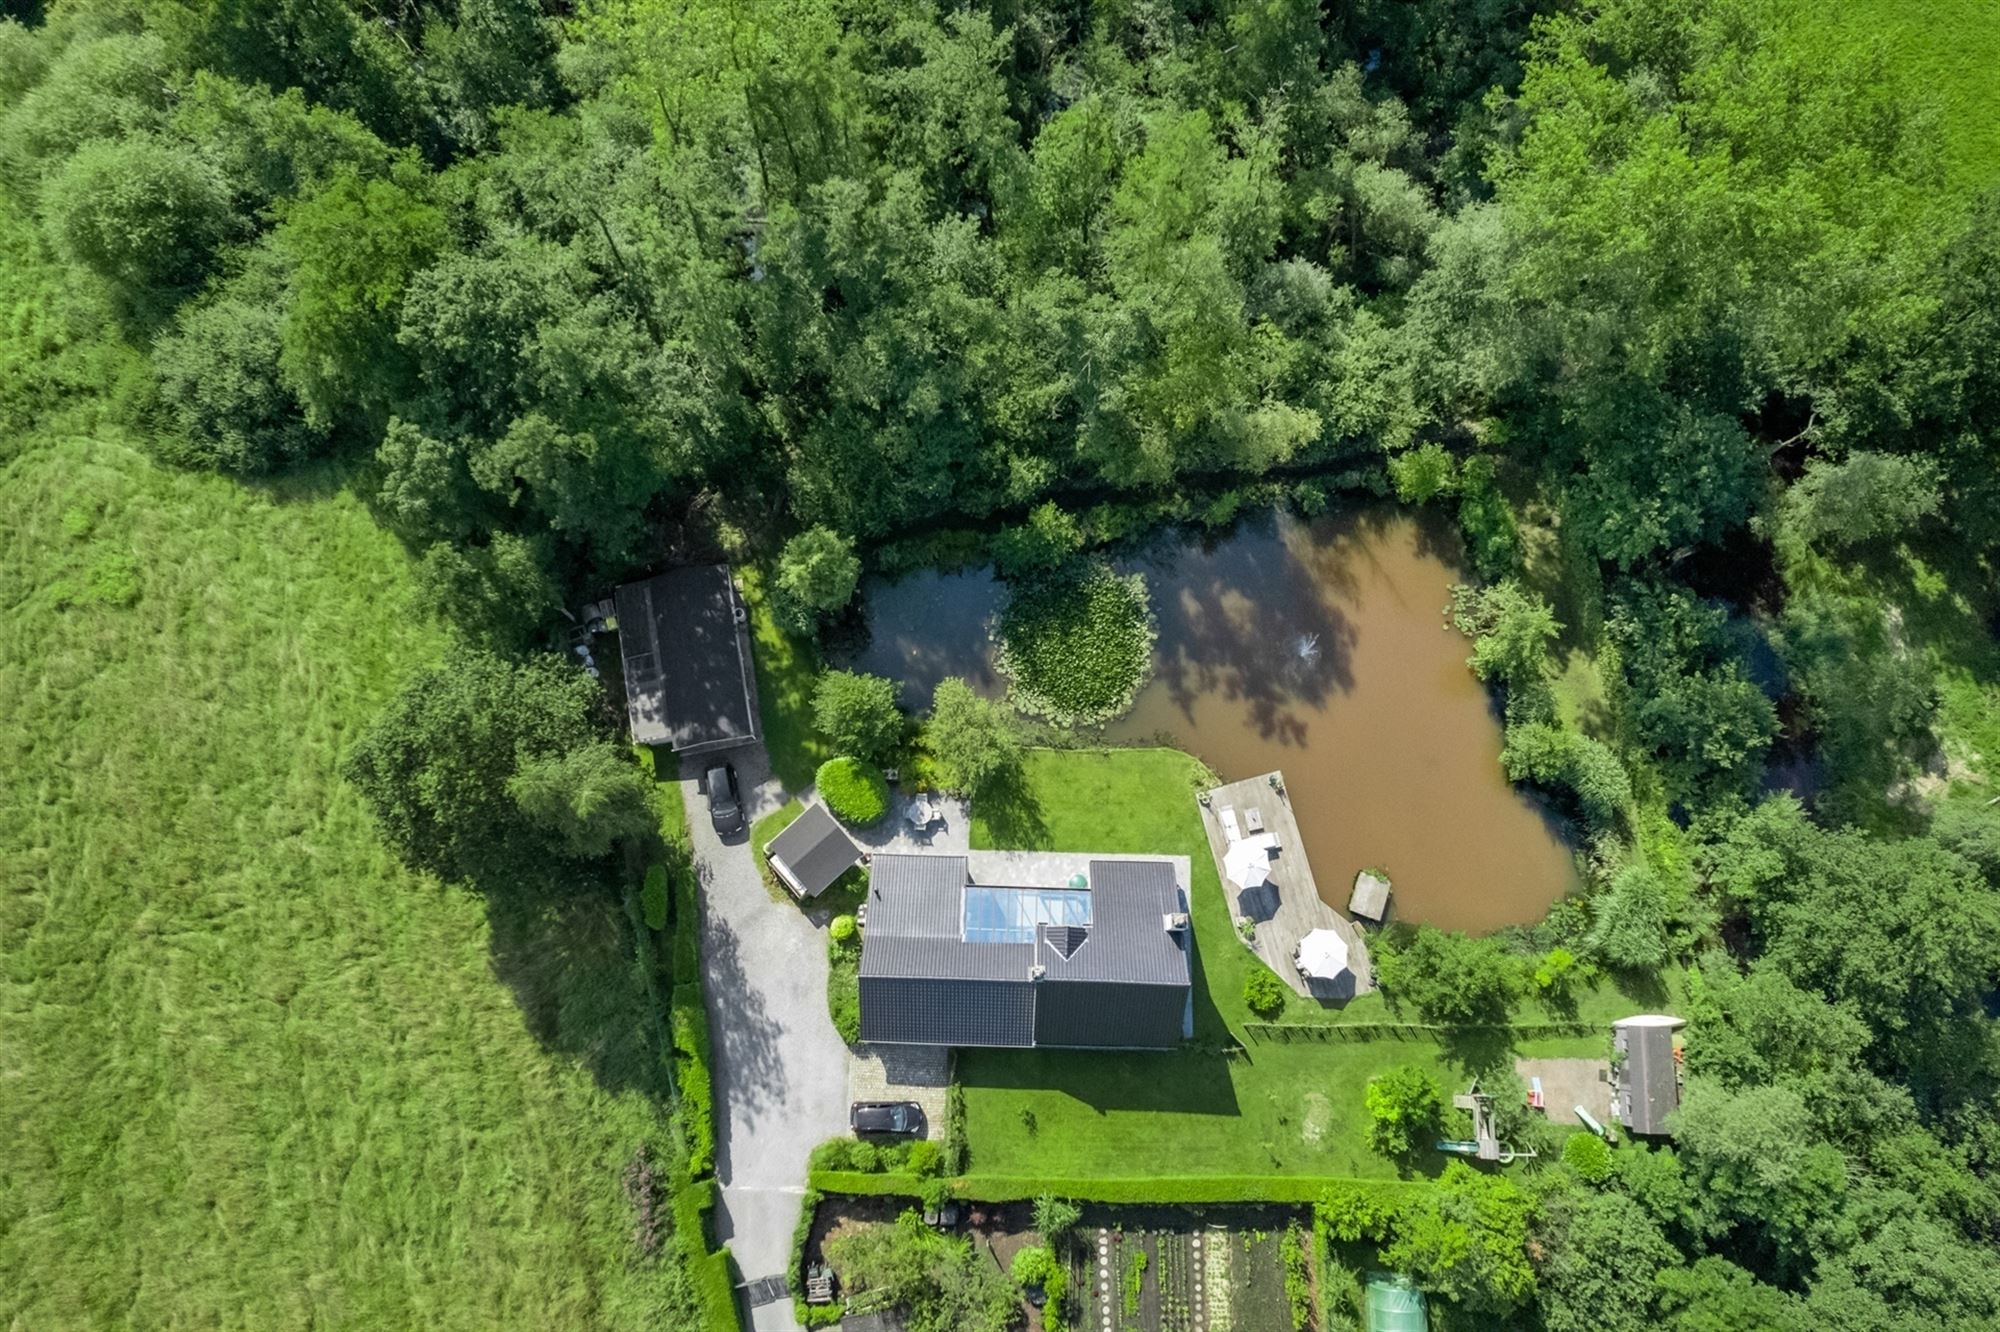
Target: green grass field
{"x":253,"y":1073}
{"x":1947,"y":50}
{"x":1211,"y":1109}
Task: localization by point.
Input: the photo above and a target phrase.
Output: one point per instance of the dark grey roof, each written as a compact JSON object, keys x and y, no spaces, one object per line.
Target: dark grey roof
{"x":689,"y":683}
{"x":910,"y":1010}
{"x":1648,"y":1082}
{"x":815,"y":849}
{"x":1122,"y":981}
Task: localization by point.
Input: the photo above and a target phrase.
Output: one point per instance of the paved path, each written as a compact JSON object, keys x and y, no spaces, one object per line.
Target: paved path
{"x":780,"y":1070}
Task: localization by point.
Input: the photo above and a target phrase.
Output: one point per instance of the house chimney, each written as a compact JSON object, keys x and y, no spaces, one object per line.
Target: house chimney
{"x":1037,"y":971}
{"x":1176,"y":921}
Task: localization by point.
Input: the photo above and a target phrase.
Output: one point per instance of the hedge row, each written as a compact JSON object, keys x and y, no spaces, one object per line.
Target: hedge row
{"x":1160,"y":1189}
{"x":1288,"y":1033}
{"x":689,"y":1024}
{"x":709,"y":1271}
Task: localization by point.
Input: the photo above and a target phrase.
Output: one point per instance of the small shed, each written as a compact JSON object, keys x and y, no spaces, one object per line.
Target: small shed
{"x":1645,"y":1073}
{"x":1371,"y":897}
{"x":685,"y":642}
{"x":811,"y":853}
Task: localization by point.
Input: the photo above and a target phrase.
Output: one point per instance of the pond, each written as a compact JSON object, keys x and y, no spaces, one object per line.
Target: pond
{"x":1319,"y":648}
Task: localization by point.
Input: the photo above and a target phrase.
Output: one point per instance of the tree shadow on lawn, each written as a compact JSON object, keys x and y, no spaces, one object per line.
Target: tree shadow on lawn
{"x":567,"y":958}
{"x":1185,"y":1082}
{"x":1012,"y":813}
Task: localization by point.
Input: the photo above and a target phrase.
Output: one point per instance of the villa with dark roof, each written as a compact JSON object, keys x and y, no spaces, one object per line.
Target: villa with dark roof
{"x":1096,"y":960}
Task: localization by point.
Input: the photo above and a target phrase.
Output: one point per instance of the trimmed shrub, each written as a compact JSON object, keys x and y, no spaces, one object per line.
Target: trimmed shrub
{"x":856,"y":792}
{"x":689,"y":1026}
{"x":843,"y":985}
{"x":841,"y":928}
{"x":1264,"y":992}
{"x":653,"y":897}
{"x":925,"y":1158}
{"x":1586,"y":1154}
{"x":1077,"y":645}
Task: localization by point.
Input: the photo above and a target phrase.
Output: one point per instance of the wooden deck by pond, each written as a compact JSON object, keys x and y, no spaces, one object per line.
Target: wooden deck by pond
{"x":1287,"y":906}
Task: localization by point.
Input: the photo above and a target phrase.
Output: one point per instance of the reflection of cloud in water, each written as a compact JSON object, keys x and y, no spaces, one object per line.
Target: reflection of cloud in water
{"x":1233,"y":617}
{"x":927,"y":626}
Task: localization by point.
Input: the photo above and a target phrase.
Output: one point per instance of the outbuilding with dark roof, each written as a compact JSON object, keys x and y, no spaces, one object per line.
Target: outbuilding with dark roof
{"x":811,"y":852}
{"x":1646,"y":1077}
{"x":685,"y":642}
{"x":1099,"y":960}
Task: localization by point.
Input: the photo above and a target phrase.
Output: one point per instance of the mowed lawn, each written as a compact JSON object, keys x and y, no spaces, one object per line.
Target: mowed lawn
{"x":1293,"y":1109}
{"x":253,"y":1074}
{"x":1213,"y":1108}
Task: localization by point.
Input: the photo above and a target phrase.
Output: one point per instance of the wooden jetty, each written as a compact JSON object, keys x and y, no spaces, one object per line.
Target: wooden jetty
{"x":1287,"y":907}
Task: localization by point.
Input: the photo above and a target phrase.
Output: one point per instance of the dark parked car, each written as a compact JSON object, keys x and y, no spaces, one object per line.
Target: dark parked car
{"x":725,"y":803}
{"x":905,"y":1118}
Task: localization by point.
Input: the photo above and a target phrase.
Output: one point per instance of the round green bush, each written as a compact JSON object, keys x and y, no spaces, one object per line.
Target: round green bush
{"x":1586,"y":1154}
{"x":1264,"y":992}
{"x":1034,"y":1266}
{"x":1077,"y":645}
{"x":856,"y":792}
{"x":841,"y":928}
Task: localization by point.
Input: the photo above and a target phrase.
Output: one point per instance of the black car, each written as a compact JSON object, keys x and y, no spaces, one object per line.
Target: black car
{"x":902,"y":1118}
{"x":725,"y":803}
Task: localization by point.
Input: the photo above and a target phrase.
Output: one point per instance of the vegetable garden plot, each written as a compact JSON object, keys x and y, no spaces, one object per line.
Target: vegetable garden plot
{"x":1183,"y":1277}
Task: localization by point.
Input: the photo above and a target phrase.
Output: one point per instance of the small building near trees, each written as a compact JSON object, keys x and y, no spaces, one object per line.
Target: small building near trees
{"x":684,"y":639}
{"x":1645,"y":1072}
{"x":811,"y":853}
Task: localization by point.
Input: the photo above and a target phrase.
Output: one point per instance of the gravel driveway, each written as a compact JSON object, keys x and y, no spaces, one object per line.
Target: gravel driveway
{"x":780,"y":1071}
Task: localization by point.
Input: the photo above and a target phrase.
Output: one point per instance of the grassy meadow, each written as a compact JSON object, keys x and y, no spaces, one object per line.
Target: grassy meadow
{"x":1942,"y":49}
{"x":1211,"y":1109}
{"x":253,"y":1073}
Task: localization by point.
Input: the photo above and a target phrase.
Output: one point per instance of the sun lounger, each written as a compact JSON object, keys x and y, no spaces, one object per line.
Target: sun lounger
{"x":1229,"y":828}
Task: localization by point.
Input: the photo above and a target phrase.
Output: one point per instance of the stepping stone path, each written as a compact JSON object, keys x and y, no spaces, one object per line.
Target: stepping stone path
{"x":1104,"y":1276}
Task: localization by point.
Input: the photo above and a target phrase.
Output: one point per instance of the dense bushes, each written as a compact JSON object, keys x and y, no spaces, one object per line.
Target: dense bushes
{"x":843,"y":982}
{"x":1077,"y":645}
{"x":220,"y":386}
{"x":1449,"y":978}
{"x":858,"y":713}
{"x":855,"y":791}
{"x":1405,"y":1107}
{"x":1575,"y":765}
{"x":1263,"y":992}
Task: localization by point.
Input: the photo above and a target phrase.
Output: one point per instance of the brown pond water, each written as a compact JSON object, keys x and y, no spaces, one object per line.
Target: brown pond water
{"x":1320,"y":649}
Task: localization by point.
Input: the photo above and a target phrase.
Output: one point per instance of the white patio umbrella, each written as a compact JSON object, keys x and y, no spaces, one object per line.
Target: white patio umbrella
{"x":1323,"y":955}
{"x":1247,"y":863}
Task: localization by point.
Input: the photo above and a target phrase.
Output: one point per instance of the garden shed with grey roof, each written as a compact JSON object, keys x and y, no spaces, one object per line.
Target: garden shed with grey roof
{"x":811,"y":852}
